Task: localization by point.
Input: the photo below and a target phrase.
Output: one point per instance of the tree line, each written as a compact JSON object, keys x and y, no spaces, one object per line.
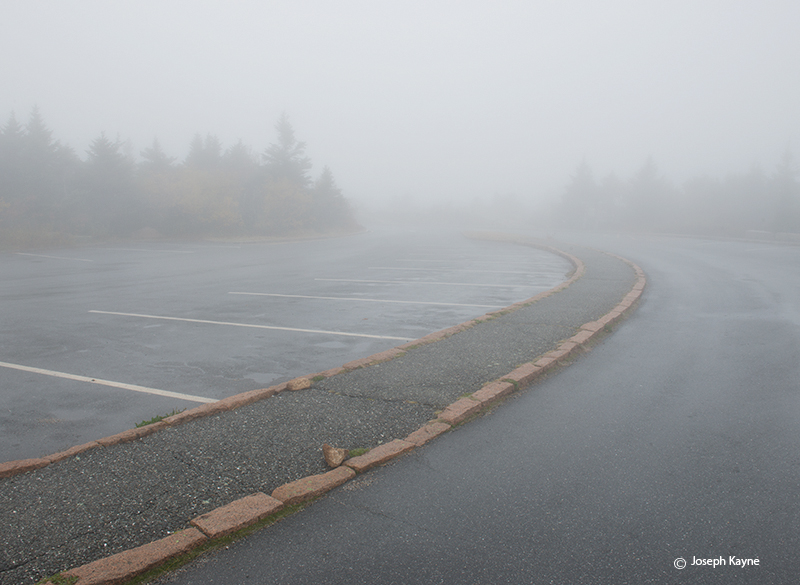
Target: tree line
{"x":648,"y":201}
{"x":49,"y":193}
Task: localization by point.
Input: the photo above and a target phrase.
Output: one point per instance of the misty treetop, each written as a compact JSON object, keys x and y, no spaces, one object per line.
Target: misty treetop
{"x":286,"y":160}
{"x":49,"y":193}
{"x":648,"y":201}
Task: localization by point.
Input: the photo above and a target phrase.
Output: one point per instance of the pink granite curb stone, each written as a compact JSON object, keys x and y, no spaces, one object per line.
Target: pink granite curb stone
{"x":568,"y":346}
{"x":545,"y":363}
{"x":524,"y":375}
{"x":379,"y":455}
{"x":245,"y":398}
{"x":329,"y":373}
{"x":582,"y":337}
{"x":460,"y":411}
{"x":493,"y":391}
{"x":71,"y":452}
{"x":132,"y":434}
{"x":237,"y":515}
{"x":124,"y":566}
{"x":21,"y":466}
{"x":312,"y":486}
{"x":194,"y":413}
{"x":427,"y":432}
{"x":376,"y":358}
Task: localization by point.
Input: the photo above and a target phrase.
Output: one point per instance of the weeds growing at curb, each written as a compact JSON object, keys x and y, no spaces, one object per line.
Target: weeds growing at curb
{"x":58,"y":579}
{"x":215,"y":544}
{"x":158,"y":418}
{"x":510,"y":381}
{"x":358,"y":451}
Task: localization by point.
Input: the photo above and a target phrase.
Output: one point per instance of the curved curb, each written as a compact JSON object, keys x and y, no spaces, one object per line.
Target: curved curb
{"x":244,"y":512}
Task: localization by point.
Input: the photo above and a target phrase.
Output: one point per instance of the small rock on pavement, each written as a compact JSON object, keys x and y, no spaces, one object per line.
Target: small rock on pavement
{"x":334,"y":457}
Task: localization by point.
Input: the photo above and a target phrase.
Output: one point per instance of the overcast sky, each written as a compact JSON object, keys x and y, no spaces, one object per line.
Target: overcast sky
{"x":426,"y":99}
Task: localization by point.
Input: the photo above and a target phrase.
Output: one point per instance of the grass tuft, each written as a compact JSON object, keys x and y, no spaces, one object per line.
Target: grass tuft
{"x":158,"y":418}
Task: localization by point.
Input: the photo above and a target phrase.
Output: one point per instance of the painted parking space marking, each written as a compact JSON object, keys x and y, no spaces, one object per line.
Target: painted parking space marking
{"x":54,"y":257}
{"x":449,"y":269}
{"x":421,"y":282}
{"x":254,"y":326}
{"x":122,"y":385}
{"x":152,"y":250}
{"x":369,"y":300}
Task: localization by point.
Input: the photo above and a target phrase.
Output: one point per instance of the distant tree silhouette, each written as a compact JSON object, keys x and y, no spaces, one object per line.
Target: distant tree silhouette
{"x":204,"y":153}
{"x":786,"y":194}
{"x":649,"y":205}
{"x":329,"y":205}
{"x":285,"y":159}
{"x":109,"y":183}
{"x":239,"y":157}
{"x":12,"y":142}
{"x":579,"y":202}
{"x":155,"y":160}
{"x":45,"y":188}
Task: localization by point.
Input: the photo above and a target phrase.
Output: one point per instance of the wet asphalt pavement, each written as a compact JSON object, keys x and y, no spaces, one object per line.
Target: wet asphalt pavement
{"x":115,"y":498}
{"x":211,"y":320}
{"x":673,"y":441}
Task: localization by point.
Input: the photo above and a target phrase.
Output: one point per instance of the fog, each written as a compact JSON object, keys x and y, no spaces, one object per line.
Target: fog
{"x":420,"y":104}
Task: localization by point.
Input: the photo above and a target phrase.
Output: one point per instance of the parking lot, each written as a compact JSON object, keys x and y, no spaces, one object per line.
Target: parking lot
{"x":97,"y":339}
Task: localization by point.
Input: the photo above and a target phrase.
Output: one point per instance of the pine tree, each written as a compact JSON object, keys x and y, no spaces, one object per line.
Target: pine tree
{"x":204,"y":154}
{"x":786,"y":195}
{"x":286,"y":159}
{"x":155,"y":159}
{"x":579,"y":201}
{"x":331,"y":210}
{"x":12,"y":143}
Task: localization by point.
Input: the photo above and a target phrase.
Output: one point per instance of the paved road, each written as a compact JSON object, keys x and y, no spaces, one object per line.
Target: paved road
{"x":92,"y":311}
{"x":676,"y":438}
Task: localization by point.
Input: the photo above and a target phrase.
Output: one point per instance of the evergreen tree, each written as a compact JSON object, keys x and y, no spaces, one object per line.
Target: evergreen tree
{"x":12,"y":142}
{"x":155,"y":160}
{"x":204,"y":154}
{"x":39,"y":159}
{"x":38,"y":137}
{"x":286,"y":160}
{"x":106,"y":159}
{"x":786,"y":195}
{"x":649,"y":204}
{"x":239,"y":157}
{"x":108,"y":181}
{"x":195,"y":156}
{"x":579,"y":201}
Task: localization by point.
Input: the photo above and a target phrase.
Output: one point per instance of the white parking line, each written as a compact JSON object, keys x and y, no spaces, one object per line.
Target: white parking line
{"x":471,"y":257}
{"x":368,"y":300}
{"x":54,"y":257}
{"x":449,"y":269}
{"x":152,"y":250}
{"x":420,"y":282}
{"x":122,"y":385}
{"x":321,"y":331}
